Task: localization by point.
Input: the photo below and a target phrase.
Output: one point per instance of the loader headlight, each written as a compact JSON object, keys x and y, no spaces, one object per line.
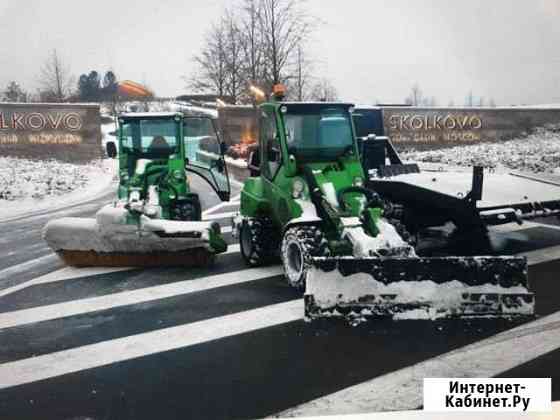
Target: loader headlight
{"x":358,"y":181}
{"x":298,"y":187}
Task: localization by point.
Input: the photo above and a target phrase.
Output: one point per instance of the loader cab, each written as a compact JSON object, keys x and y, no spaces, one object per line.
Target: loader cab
{"x":293,"y":134}
{"x":299,"y":144}
{"x":162,"y":144}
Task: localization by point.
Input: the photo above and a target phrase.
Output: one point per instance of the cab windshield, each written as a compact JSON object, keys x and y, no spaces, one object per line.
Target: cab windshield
{"x":150,"y":137}
{"x":318,"y":132}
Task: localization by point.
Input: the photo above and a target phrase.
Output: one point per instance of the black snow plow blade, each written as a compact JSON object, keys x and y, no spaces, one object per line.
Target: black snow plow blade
{"x":417,"y":288}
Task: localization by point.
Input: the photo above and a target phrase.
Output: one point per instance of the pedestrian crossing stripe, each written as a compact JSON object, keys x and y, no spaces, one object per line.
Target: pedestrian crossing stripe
{"x":133,"y":297}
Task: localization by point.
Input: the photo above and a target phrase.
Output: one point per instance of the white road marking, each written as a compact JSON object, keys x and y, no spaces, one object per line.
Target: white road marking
{"x":232,"y":200}
{"x":402,"y":389}
{"x":66,"y":273}
{"x":115,"y":300}
{"x":126,"y":348}
{"x":543,"y":225}
{"x":19,"y":268}
{"x":71,"y":273}
{"x":542,"y":255}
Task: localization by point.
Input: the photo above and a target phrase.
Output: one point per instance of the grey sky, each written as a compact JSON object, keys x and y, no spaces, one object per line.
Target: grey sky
{"x":371,"y":49}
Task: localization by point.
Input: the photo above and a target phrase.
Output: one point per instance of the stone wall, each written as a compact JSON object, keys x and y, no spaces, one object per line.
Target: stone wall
{"x":67,"y":132}
{"x":440,"y":127}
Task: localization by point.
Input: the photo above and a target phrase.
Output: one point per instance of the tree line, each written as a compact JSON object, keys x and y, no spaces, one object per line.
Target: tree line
{"x":416,"y":97}
{"x":57,"y":84}
{"x":260,"y":43}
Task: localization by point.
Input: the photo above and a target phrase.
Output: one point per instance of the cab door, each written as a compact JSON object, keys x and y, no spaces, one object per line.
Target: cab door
{"x":204,"y":154}
{"x":271,"y":164}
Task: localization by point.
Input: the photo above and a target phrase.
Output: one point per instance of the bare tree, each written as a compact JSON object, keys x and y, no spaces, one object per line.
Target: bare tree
{"x":55,"y":79}
{"x":492,"y":103}
{"x":261,"y":44}
{"x":481,"y":101}
{"x":429,"y":101}
{"x":233,"y":56}
{"x":415,"y":98}
{"x":324,"y":91}
{"x":284,"y":25}
{"x":211,"y":73}
{"x":302,"y":74}
{"x":252,"y":41}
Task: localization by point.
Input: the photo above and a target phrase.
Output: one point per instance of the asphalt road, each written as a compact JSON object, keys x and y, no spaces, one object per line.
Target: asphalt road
{"x":219,"y":343}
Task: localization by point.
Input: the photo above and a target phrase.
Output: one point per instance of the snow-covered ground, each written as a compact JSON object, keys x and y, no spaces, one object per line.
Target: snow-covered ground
{"x":30,"y":185}
{"x":537,"y":152}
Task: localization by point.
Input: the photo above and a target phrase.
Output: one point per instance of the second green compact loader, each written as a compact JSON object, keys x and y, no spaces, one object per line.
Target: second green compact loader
{"x":338,"y":241}
{"x":156,"y":219}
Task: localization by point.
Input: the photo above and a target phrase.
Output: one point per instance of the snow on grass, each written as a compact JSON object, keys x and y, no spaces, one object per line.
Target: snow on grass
{"x":31,"y":185}
{"x":537,"y":152}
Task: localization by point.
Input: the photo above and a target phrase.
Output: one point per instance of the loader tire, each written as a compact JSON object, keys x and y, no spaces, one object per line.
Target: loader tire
{"x":257,"y":241}
{"x":298,"y":245}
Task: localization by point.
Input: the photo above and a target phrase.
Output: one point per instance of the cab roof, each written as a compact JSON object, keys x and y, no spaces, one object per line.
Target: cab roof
{"x":144,"y":115}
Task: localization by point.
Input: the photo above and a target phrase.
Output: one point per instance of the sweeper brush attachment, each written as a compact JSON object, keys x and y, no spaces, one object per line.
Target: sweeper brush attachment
{"x":417,"y":288}
{"x":108,"y":240}
{"x":193,"y":257}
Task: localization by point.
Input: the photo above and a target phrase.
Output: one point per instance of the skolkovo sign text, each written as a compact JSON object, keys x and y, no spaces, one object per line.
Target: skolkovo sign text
{"x":435,"y":127}
{"x":68,"y":132}
{"x":451,"y":127}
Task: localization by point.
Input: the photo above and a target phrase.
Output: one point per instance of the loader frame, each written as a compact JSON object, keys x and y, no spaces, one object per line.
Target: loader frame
{"x":383,"y":165}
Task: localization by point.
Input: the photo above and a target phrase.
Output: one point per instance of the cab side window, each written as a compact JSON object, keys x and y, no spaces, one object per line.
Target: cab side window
{"x":272,"y":152}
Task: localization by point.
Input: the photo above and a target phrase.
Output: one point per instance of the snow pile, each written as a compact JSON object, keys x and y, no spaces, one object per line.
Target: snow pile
{"x":537,"y":152}
{"x":108,"y":232}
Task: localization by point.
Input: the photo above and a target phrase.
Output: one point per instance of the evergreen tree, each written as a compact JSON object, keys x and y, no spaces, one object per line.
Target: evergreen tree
{"x":14,"y":93}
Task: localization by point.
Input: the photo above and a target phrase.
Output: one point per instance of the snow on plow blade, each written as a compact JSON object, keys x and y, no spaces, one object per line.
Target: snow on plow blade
{"x":417,"y":288}
{"x":108,"y":240}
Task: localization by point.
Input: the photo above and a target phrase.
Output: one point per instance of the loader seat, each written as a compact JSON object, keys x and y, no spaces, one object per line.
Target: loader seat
{"x":158,"y":143}
{"x":159,"y":148}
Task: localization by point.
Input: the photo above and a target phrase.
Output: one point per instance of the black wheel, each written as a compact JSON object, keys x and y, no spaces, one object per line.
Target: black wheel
{"x":257,"y":241}
{"x":300,"y":243}
{"x":188,"y":209}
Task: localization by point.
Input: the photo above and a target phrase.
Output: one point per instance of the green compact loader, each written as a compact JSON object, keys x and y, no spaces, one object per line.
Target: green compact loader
{"x":156,"y":219}
{"x":340,"y":242}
